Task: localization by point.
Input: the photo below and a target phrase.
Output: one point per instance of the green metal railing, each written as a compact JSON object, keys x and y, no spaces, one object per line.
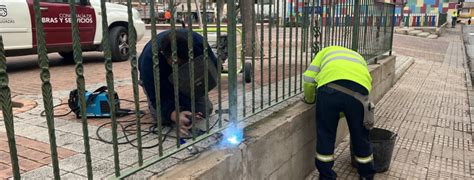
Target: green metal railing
{"x":280,"y":49}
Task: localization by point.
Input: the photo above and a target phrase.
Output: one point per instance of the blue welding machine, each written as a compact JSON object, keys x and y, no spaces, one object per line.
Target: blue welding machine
{"x":96,"y":103}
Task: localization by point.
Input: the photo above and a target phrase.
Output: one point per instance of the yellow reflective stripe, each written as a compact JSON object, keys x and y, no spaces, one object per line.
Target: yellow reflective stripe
{"x":325,"y":158}
{"x":343,"y":58}
{"x":364,"y":160}
{"x":344,"y":51}
{"x":308,"y":79}
{"x":313,"y":68}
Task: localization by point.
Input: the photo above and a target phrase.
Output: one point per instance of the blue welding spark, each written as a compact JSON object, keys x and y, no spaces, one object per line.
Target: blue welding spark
{"x":233,"y":139}
{"x":233,"y":136}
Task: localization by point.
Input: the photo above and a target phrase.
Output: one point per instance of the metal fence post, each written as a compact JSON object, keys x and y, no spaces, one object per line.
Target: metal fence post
{"x":355,"y":36}
{"x":6,"y":107}
{"x":110,"y":85}
{"x":393,"y":29}
{"x":232,"y":85}
{"x":46,"y":87}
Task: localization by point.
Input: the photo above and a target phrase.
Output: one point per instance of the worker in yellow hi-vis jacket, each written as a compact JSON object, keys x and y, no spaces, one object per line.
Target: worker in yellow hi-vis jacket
{"x":338,"y":81}
{"x":454,"y":18}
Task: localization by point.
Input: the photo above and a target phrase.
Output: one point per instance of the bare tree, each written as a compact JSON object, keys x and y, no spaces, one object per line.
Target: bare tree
{"x":247,"y":9}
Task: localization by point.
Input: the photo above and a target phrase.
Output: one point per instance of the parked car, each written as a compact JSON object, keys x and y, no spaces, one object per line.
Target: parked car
{"x":17,"y":26}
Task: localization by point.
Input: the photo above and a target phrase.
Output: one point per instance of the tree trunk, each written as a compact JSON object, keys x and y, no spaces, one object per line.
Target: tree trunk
{"x":247,"y":13}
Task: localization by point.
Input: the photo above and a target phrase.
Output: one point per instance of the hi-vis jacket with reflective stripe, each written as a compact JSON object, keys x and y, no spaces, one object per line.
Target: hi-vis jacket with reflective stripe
{"x":335,"y":63}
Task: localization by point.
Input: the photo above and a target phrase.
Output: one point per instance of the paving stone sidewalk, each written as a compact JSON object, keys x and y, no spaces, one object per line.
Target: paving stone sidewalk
{"x":429,"y":110}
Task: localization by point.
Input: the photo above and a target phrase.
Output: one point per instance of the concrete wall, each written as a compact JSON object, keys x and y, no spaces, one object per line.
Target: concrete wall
{"x":280,"y":146}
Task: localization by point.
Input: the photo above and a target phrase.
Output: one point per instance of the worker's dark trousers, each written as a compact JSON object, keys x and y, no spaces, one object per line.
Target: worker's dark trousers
{"x":329,"y":104}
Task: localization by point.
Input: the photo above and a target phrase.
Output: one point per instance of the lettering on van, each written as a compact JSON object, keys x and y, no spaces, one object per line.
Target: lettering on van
{"x":3,"y":11}
{"x":66,"y":18}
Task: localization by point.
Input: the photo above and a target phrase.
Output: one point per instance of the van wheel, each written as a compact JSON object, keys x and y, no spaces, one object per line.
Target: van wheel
{"x":118,"y":38}
{"x":67,"y":56}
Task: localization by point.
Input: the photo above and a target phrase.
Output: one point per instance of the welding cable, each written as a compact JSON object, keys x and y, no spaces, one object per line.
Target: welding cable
{"x":126,"y":100}
{"x":124,"y":126}
{"x":43,"y":113}
{"x":128,"y":132}
{"x":120,"y":112}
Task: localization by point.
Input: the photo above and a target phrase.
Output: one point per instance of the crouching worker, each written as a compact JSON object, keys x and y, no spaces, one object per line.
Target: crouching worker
{"x":167,"y":110}
{"x":338,"y":81}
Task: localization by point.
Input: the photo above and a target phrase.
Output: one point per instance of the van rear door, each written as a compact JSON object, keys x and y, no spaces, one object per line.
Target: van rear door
{"x":15,"y":24}
{"x":57,"y":23}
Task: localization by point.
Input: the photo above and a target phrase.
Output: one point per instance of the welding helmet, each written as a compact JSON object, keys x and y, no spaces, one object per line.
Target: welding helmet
{"x":184,"y":82}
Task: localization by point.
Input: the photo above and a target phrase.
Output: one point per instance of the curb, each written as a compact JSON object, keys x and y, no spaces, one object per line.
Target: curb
{"x":468,"y":67}
{"x":400,"y":70}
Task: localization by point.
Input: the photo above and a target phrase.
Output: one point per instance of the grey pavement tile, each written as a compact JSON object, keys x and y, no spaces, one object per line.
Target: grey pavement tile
{"x":100,"y":169}
{"x":72,"y":176}
{"x":45,"y":172}
{"x":75,"y":162}
{"x":57,"y":123}
{"x":66,"y":138}
{"x":71,"y":127}
{"x":130,"y":157}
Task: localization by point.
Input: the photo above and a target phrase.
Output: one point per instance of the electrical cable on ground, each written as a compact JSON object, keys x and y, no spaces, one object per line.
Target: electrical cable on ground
{"x":126,"y":127}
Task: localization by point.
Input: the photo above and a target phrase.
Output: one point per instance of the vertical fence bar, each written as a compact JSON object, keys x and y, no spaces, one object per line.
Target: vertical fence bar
{"x":6,"y":106}
{"x":290,"y":57}
{"x":46,"y":92}
{"x":219,"y":62}
{"x":175,"y":72}
{"x":206,"y":65}
{"x":307,"y":32}
{"x":191,"y":70}
{"x":232,"y":85}
{"x":156,"y":77}
{"x":375,"y":24}
{"x":326,"y":23}
{"x":355,"y":36}
{"x":270,"y":24}
{"x":387,"y":21}
{"x":132,"y":39}
{"x":308,"y":19}
{"x":362,"y":48}
{"x":285,"y":7}
{"x":344,"y":23}
{"x":242,"y":63}
{"x":302,"y":45}
{"x":333,"y":23}
{"x":311,"y":31}
{"x":296,"y":45}
{"x":350,"y":29}
{"x":110,"y":85}
{"x":262,"y":44}
{"x":254,"y":29}
{"x":80,"y":82}
{"x":277,"y":48}
{"x":321,"y":22}
{"x":340,"y":23}
{"x":391,"y":33}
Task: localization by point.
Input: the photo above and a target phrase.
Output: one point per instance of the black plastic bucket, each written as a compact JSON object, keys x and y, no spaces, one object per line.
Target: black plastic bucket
{"x":383,"y":142}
